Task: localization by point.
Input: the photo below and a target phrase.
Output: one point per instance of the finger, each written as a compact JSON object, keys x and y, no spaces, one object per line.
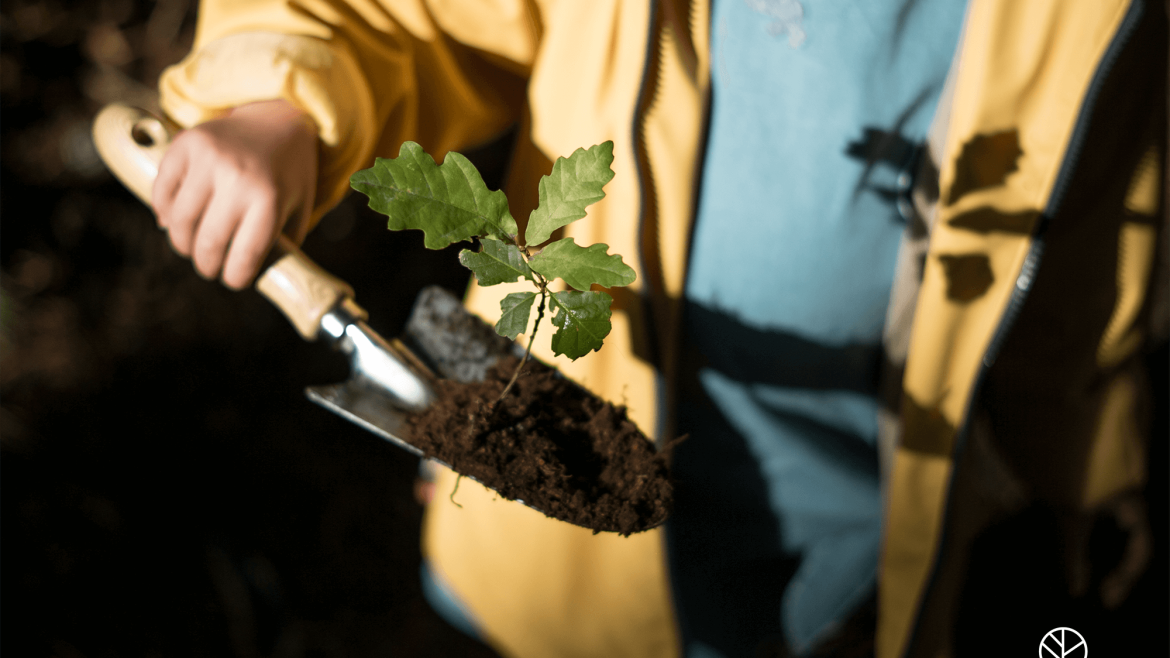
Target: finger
{"x":310,"y":188}
{"x":189,"y":206}
{"x":251,"y":243}
{"x":300,"y":217}
{"x":214,"y":234}
{"x":166,"y":184}
{"x":297,"y":226}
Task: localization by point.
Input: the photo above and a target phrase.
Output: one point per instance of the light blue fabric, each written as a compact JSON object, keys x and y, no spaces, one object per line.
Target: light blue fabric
{"x":444,"y":602}
{"x":793,"y":251}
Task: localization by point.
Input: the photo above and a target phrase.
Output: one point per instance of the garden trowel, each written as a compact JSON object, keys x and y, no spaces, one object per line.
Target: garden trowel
{"x":387,"y":379}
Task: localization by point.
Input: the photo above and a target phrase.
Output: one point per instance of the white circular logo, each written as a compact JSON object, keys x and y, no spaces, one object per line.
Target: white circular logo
{"x":1063,"y":642}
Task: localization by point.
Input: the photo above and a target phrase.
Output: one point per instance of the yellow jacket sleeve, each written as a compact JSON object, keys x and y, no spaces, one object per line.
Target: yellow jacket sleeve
{"x":370,"y":74}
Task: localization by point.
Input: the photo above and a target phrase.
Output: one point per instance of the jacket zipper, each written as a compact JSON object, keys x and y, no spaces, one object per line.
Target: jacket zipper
{"x":662,"y":17}
{"x":651,"y":270}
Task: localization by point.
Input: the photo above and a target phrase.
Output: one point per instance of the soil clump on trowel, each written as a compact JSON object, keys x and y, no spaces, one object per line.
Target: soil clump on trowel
{"x":549,"y":442}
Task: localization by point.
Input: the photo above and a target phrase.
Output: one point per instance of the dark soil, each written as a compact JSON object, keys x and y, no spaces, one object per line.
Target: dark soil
{"x":552,"y":445}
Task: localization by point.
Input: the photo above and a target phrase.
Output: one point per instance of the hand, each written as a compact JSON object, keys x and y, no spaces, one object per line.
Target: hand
{"x":226,"y":188}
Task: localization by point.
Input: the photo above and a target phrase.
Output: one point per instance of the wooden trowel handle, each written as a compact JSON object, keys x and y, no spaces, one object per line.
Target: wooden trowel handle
{"x":133,"y":141}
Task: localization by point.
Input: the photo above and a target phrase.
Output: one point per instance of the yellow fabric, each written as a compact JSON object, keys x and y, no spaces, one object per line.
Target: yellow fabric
{"x":1117,"y":461}
{"x":303,"y":71}
{"x":1146,"y":186}
{"x":673,"y":128}
{"x":370,"y":76}
{"x":584,"y":91}
{"x":1021,"y":65}
{"x":1024,"y":66}
{"x":1136,"y":249}
{"x":918,"y":489}
{"x":543,"y":588}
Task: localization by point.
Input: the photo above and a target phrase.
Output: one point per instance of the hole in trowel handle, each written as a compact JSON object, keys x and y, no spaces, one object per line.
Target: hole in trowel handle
{"x":148,"y":131}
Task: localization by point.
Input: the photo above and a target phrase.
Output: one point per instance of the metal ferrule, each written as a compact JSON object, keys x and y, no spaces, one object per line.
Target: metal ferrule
{"x":385,"y":365}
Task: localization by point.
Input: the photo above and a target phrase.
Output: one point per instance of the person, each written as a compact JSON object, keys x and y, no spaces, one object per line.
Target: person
{"x":897,"y":267}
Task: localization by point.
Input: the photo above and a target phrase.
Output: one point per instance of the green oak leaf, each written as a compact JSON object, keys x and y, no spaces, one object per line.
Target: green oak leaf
{"x":495,"y":262}
{"x":582,"y":319}
{"x":581,"y":267}
{"x":516,"y":308}
{"x":448,"y":203}
{"x":575,"y":182}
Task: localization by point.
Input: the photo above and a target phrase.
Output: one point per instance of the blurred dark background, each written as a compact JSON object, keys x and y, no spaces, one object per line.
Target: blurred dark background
{"x":167,"y":490}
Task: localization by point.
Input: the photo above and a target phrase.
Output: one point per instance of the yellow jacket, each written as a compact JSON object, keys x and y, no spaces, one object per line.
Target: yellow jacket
{"x":1018,"y":334}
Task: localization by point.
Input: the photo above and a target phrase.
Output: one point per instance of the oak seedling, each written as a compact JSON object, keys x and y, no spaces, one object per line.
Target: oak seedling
{"x":450,"y":203}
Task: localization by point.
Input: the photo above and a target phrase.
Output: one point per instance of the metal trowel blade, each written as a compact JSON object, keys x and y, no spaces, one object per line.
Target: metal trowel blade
{"x":365,"y":407}
{"x":442,"y":336}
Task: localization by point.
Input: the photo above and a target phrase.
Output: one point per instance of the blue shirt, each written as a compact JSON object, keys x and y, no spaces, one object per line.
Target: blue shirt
{"x":818,"y":108}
